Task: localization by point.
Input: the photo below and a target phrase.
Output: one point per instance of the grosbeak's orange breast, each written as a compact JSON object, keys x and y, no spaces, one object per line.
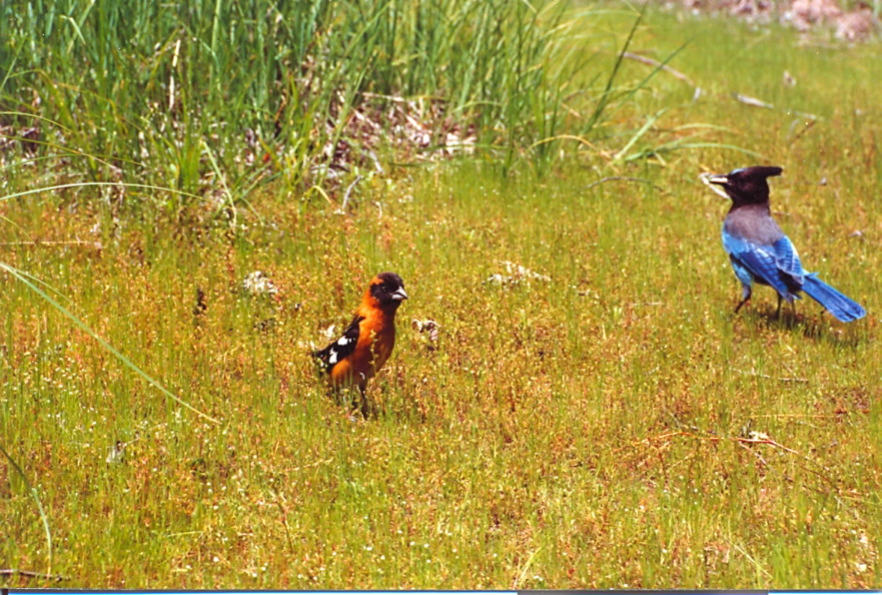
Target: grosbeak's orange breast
{"x":376,"y":338}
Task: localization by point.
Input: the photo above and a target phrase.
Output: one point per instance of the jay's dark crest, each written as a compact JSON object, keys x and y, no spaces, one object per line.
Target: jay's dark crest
{"x":761,"y":252}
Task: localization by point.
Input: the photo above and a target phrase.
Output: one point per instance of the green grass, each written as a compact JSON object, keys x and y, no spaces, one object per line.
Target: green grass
{"x":586,"y":431}
{"x":215,"y":98}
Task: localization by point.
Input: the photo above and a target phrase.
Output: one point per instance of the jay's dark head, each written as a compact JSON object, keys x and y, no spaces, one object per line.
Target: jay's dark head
{"x":747,"y":185}
{"x":388,"y":291}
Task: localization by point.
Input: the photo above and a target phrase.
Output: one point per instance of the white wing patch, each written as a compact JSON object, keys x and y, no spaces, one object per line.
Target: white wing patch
{"x":342,"y":347}
{"x":342,"y":342}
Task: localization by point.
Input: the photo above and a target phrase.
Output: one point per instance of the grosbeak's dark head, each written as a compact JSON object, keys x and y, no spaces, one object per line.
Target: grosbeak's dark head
{"x":747,"y":185}
{"x":387,"y":291}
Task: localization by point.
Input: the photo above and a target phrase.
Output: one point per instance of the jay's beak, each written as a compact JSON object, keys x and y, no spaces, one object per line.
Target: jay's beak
{"x":721,"y":179}
{"x":714,"y":181}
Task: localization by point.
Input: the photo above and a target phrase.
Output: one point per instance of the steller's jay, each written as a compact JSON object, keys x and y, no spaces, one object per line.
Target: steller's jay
{"x":759,"y":250}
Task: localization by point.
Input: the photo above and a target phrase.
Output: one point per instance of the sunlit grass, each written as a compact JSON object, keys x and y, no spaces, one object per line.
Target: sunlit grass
{"x":614,"y":426}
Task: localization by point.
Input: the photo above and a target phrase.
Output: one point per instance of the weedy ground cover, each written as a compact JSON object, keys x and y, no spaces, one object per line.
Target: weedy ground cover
{"x":594,"y":418}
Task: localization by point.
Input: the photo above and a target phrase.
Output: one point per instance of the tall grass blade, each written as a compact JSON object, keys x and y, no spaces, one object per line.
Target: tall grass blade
{"x":606,"y":96}
{"x":26,"y":279}
{"x":99,"y":184}
{"x":36,"y":497}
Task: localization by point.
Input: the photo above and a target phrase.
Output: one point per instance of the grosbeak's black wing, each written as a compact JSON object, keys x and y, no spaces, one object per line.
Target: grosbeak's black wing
{"x":331,"y":355}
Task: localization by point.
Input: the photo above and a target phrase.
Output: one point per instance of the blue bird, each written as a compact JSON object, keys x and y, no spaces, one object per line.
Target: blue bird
{"x":759,"y":250}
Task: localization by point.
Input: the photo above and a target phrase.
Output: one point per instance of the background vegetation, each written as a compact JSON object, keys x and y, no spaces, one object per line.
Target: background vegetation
{"x":595,"y":418}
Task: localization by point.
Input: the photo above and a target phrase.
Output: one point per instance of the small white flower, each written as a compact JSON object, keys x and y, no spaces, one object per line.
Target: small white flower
{"x":257,"y":283}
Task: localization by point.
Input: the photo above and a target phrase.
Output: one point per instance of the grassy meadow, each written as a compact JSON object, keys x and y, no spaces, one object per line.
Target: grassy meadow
{"x":601,"y":420}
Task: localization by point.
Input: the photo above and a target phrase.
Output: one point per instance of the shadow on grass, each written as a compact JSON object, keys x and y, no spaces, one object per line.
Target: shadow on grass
{"x":812,"y":322}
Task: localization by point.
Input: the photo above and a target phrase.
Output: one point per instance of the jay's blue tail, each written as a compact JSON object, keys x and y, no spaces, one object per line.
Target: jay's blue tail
{"x":839,"y":305}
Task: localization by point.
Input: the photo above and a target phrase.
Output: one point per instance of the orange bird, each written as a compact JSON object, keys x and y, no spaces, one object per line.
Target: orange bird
{"x":367,"y":343}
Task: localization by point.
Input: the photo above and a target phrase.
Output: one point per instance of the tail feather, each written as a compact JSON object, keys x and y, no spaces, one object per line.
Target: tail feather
{"x":838,"y":304}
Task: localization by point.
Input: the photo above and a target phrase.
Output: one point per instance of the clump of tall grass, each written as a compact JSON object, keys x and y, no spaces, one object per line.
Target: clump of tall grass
{"x":212,"y":99}
{"x":204,"y":95}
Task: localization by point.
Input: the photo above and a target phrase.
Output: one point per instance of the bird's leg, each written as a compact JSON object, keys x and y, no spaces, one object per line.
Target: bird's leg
{"x":363,"y":405}
{"x":778,"y":313}
{"x":745,"y":297}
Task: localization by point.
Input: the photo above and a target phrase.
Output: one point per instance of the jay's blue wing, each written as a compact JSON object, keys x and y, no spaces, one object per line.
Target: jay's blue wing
{"x":765,"y":264}
{"x":787,"y":259}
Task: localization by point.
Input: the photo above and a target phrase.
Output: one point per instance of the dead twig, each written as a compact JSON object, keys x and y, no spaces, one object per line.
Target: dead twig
{"x":32,"y":574}
{"x":752,"y":101}
{"x":752,"y":560}
{"x":756,"y":454}
{"x":394,"y":98}
{"x":768,"y":441}
{"x":711,"y":438}
{"x":650,"y":439}
{"x":621,"y":179}
{"x":357,"y":179}
{"x":808,"y":126}
{"x":798,"y":415}
{"x":745,"y":443}
{"x":284,"y":518}
{"x":313,"y":464}
{"x":767,"y":377}
{"x":50,"y":243}
{"x":649,"y":61}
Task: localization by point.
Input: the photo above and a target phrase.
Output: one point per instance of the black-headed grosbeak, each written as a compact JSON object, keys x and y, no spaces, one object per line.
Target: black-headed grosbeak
{"x":367,"y":343}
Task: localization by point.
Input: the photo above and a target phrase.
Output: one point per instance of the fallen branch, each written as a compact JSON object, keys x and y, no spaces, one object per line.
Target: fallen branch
{"x":32,"y":574}
{"x":650,"y":439}
{"x":357,"y":179}
{"x":767,"y":377}
{"x":756,"y":454}
{"x":799,"y":415}
{"x":621,"y":179}
{"x":39,"y":243}
{"x":752,"y":101}
{"x":712,"y":438}
{"x":808,"y":126}
{"x":768,"y":441}
{"x":649,"y":61}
